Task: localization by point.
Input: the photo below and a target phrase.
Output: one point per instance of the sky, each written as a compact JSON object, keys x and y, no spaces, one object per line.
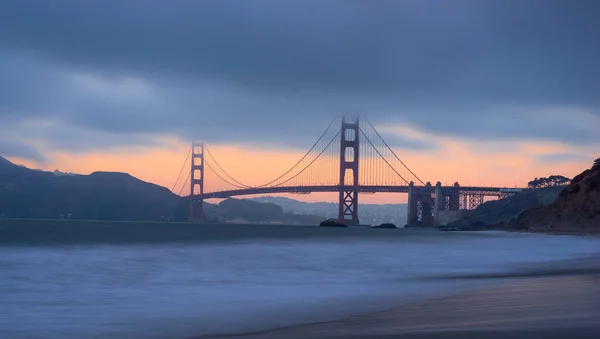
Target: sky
{"x":481,"y":92}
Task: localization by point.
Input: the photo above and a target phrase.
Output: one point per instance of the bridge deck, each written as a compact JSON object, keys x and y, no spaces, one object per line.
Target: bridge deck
{"x":488,"y":191}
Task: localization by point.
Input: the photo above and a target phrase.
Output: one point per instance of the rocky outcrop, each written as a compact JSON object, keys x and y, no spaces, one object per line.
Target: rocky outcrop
{"x":385,"y":225}
{"x":332,"y":223}
{"x":577,"y":208}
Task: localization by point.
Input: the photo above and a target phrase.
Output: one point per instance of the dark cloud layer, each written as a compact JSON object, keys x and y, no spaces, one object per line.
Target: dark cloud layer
{"x":265,"y":70}
{"x":15,"y":148}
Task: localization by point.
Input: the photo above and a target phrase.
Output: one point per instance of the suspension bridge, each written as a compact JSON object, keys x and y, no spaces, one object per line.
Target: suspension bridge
{"x":349,"y":160}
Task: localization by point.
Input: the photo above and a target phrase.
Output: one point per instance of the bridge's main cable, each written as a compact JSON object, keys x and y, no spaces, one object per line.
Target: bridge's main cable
{"x":305,"y":155}
{"x":381,"y":156}
{"x":220,"y":177}
{"x":315,"y":159}
{"x":391,"y":150}
{"x":224,"y":171}
{"x":187,"y":179}
{"x":242,"y":185}
{"x":181,"y":171}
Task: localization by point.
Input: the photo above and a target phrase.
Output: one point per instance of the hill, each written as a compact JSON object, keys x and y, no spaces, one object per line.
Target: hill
{"x":576,"y":209}
{"x":245,"y":210}
{"x":373,"y":214}
{"x":100,"y":195}
{"x":27,"y":193}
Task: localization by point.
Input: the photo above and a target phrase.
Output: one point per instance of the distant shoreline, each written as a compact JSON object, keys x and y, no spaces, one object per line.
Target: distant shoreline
{"x":70,"y":231}
{"x":187,"y":226}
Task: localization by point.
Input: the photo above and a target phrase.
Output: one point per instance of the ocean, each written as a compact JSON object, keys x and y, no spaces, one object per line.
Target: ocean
{"x":121,"y":280}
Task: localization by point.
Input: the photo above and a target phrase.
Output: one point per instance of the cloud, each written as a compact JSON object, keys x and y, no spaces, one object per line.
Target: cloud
{"x":265,"y":71}
{"x":403,"y":137}
{"x":396,"y":141}
{"x":16,"y":148}
{"x":565,"y":124}
{"x":563,"y":158}
{"x":409,"y":46}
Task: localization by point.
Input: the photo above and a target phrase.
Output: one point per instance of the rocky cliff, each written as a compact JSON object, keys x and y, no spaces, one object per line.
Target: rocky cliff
{"x":576,"y":209}
{"x":497,"y":213}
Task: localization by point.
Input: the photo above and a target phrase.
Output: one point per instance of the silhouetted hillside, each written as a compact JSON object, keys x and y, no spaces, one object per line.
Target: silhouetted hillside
{"x":100,"y":195}
{"x":576,"y":209}
{"x":253,"y":211}
{"x":26,"y":193}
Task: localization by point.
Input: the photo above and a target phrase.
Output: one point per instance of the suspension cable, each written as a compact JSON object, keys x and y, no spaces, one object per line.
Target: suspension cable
{"x":299,"y":161}
{"x":310,"y":163}
{"x":391,"y":150}
{"x":187,"y":179}
{"x":220,"y":177}
{"x":182,"y":167}
{"x":242,"y":185}
{"x":221,"y":168}
{"x":381,"y":155}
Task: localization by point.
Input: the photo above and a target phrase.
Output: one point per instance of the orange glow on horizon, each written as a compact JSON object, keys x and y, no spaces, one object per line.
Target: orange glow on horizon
{"x":453,"y":162}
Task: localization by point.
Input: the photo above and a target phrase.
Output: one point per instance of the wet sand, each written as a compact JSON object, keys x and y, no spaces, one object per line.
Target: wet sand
{"x":541,"y":307}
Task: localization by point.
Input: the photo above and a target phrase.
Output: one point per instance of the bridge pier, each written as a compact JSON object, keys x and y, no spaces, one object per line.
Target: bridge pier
{"x":447,"y":204}
{"x":411,"y":211}
{"x":440,"y":203}
{"x":426,"y":212}
{"x":454,"y":201}
{"x":420,"y":207}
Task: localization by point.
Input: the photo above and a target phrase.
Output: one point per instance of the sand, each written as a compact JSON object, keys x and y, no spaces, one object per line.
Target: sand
{"x":541,"y":307}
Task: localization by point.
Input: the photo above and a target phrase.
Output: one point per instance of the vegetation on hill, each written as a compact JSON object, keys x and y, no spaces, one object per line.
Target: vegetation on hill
{"x":553,"y":180}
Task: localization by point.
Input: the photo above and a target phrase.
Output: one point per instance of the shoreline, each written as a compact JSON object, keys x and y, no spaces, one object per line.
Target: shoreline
{"x":552,"y":307}
{"x":545,"y":231}
{"x":588,"y":233}
{"x":83,"y":222}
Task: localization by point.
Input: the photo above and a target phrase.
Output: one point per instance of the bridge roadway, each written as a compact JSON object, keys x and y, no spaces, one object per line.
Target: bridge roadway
{"x":488,"y":191}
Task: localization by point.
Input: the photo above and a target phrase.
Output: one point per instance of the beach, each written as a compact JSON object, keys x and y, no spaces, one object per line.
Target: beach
{"x":565,"y":306}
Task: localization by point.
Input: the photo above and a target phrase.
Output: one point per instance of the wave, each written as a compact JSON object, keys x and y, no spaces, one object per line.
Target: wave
{"x":570,"y":267}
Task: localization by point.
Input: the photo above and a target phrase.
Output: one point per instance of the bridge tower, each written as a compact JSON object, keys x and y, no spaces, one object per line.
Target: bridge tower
{"x":349,"y":145}
{"x":197,"y":183}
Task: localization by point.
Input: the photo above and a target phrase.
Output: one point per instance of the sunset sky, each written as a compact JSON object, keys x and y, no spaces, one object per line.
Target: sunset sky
{"x":481,"y":92}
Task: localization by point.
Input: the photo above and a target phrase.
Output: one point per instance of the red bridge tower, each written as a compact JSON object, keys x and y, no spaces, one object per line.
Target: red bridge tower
{"x":197,"y":183}
{"x":349,"y":145}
